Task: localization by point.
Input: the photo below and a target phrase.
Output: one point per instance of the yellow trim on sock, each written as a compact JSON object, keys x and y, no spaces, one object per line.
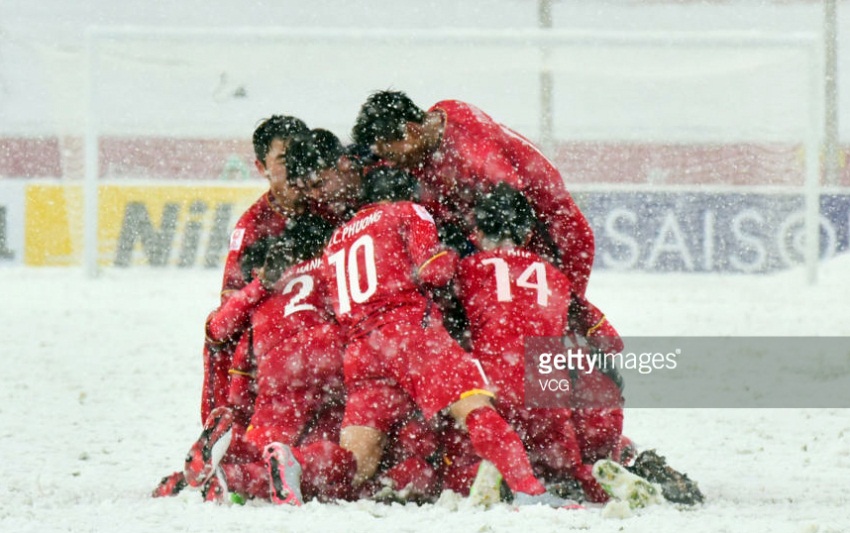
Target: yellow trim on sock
{"x":473,"y":392}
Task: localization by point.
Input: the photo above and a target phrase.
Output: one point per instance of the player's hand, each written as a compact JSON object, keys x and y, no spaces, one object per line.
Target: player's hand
{"x":278,"y":258}
{"x":606,"y":366}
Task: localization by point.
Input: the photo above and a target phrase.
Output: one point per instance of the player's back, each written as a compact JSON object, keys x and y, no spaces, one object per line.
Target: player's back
{"x":509,"y":294}
{"x":477,"y":149}
{"x":370,"y":263}
{"x":295,"y":337}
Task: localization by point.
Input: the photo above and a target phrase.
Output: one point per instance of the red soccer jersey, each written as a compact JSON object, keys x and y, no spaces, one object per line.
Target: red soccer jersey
{"x":296,"y":341}
{"x":297,"y":348}
{"x":261,"y":220}
{"x":510,"y":294}
{"x":378,"y":260}
{"x":477,"y":152}
{"x":397,"y":349}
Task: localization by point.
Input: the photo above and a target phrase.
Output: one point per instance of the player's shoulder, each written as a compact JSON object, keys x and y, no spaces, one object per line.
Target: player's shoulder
{"x":407,"y":208}
{"x":259,"y":210}
{"x":459,"y":111}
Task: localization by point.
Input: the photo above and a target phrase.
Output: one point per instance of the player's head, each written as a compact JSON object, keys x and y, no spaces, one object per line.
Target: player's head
{"x":384,"y":117}
{"x":304,"y":237}
{"x":275,"y":127}
{"x":270,"y":142}
{"x":311,"y":233}
{"x":388,"y":184}
{"x":504,"y":214}
{"x":308,"y":154}
{"x":321,"y":169}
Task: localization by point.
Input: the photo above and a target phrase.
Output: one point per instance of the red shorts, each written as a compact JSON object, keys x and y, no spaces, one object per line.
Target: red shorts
{"x":312,"y":357}
{"x":403,"y":365}
{"x":302,"y":421}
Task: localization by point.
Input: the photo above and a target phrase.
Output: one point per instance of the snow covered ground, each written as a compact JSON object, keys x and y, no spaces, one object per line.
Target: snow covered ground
{"x":101,"y":379}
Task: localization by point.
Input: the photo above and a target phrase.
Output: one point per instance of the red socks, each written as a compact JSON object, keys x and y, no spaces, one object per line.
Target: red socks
{"x":494,"y":440}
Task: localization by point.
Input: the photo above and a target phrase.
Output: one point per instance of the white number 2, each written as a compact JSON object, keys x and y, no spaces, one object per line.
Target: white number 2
{"x":348,"y":277}
{"x":305,"y":287}
{"x":533,"y":277}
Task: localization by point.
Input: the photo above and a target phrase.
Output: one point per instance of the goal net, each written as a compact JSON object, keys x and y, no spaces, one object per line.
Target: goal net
{"x":687,"y":151}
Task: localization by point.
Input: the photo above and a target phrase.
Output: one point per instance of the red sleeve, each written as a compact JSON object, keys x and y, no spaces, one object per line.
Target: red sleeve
{"x":259,"y":221}
{"x":233,"y":315}
{"x":568,"y":229}
{"x":435,"y":265}
{"x":243,"y":388}
{"x":587,"y":320}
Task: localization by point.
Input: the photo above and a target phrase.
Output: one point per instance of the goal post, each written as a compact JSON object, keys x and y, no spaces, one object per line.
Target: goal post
{"x":324,"y":74}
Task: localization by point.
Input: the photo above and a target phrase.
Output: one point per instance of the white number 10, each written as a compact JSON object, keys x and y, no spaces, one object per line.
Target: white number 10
{"x":503,"y":280}
{"x":348,"y":287}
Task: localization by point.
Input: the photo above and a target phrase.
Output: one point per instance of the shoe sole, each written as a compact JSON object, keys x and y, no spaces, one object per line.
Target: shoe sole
{"x":211,"y":450}
{"x":622,"y":485}
{"x":282,"y":493}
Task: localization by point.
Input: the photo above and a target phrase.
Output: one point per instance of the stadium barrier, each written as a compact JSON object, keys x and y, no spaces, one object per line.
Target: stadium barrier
{"x":187,"y":225}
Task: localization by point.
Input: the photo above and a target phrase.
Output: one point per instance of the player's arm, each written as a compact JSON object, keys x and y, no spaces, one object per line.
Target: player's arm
{"x":435,"y":265}
{"x":243,"y":385}
{"x":564,"y":235}
{"x":233,"y":315}
{"x":588,"y":321}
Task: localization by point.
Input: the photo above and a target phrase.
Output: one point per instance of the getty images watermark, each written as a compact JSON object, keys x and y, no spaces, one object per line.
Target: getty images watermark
{"x":561,"y":375}
{"x":691,"y":372}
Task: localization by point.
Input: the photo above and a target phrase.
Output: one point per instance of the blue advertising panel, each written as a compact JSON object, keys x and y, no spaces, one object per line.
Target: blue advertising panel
{"x":709,"y":232}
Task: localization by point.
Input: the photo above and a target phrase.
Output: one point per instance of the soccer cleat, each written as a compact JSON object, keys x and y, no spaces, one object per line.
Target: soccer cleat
{"x":206,"y":453}
{"x":521,"y":499}
{"x":284,"y":474}
{"x":170,"y":485}
{"x":625,"y":486}
{"x":676,"y":487}
{"x":215,"y":489}
{"x":626,"y":451}
{"x":486,"y":488}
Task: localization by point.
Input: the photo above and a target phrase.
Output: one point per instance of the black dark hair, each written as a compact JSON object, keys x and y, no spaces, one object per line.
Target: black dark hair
{"x":304,"y":237}
{"x":254,"y":256}
{"x":388,"y":183}
{"x":384,"y":116}
{"x":504,"y":213}
{"x":309,"y":234}
{"x":455,"y":237}
{"x":275,"y":127}
{"x":311,"y":152}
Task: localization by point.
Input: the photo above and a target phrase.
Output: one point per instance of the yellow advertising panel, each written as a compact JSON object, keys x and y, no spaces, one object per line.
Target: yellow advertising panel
{"x":53,"y":225}
{"x":156,"y":225}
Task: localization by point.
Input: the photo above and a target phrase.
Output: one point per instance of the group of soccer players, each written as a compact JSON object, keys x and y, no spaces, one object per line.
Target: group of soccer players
{"x":375,"y":307}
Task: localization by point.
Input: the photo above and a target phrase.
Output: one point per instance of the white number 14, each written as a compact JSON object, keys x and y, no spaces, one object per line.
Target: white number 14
{"x":533,"y":277}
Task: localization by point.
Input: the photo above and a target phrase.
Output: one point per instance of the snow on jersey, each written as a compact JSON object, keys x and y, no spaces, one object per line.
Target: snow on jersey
{"x":475,"y":153}
{"x":509,"y":294}
{"x":259,"y":221}
{"x":377,"y":261}
{"x":294,"y":332}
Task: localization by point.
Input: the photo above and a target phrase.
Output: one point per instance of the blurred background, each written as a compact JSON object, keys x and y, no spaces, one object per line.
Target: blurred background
{"x":692,"y":133}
